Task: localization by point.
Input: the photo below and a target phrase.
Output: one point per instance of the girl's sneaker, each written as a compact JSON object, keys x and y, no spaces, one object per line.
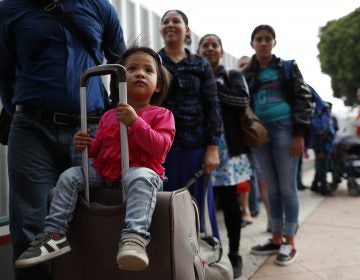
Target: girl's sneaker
{"x":265,"y":248}
{"x":287,"y":255}
{"x":132,"y":254}
{"x":46,"y":246}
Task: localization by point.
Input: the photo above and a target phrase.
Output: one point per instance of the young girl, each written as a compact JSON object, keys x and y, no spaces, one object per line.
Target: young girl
{"x":285,"y":108}
{"x":151,"y":130}
{"x":234,"y":166}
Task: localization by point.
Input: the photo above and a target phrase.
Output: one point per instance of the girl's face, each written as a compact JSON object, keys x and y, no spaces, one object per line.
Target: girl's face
{"x":141,"y":78}
{"x":173,"y":29}
{"x":211,"y":49}
{"x":263,"y":44}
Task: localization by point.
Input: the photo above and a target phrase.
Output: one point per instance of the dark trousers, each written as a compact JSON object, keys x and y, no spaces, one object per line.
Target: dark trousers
{"x":38,"y":152}
{"x":321,"y":168}
{"x":227,"y":198}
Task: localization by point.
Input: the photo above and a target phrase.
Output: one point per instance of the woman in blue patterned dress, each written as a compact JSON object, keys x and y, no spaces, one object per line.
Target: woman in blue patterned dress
{"x":234,"y":165}
{"x":192,"y":97}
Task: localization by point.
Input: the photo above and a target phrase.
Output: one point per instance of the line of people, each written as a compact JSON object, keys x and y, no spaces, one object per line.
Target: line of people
{"x":39,"y":70}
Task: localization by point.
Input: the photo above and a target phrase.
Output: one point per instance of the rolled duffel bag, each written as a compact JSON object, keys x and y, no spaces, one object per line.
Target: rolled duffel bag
{"x":95,"y":230}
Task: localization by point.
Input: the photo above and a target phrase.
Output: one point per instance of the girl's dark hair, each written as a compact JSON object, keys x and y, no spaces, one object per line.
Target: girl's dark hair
{"x":207,"y":35}
{"x":184,"y":18}
{"x":262,"y":27}
{"x":163,"y":77}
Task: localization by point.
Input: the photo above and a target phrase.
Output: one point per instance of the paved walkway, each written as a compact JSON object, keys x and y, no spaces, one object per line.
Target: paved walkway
{"x":328,"y":240}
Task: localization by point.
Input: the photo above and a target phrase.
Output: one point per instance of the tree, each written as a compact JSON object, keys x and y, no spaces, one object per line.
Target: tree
{"x":339,"y":54}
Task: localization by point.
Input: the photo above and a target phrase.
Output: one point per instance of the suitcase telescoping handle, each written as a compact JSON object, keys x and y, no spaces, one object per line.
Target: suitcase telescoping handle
{"x":205,"y":213}
{"x":118,"y":73}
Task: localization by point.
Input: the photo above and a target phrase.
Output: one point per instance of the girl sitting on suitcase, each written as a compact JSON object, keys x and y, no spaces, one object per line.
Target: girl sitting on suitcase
{"x":151,"y":130}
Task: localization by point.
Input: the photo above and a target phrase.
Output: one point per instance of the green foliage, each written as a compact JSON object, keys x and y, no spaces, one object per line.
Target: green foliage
{"x":339,"y":54}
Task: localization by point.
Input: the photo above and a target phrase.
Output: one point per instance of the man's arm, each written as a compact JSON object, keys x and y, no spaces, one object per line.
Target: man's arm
{"x":7,"y":77}
{"x":113,"y":39}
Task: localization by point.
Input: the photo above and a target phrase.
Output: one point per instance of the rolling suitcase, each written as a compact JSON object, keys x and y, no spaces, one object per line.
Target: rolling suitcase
{"x":95,"y":230}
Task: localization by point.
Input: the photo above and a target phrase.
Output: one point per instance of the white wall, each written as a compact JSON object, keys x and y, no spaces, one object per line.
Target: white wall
{"x":140,"y":25}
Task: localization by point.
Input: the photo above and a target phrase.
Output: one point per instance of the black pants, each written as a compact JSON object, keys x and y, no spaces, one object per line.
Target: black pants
{"x":227,"y":198}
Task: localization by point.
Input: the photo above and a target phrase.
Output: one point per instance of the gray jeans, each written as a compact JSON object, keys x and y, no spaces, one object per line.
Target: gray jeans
{"x":140,"y":186}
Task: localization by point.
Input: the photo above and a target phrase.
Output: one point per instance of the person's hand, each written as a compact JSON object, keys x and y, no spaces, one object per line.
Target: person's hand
{"x":81,"y":140}
{"x":211,"y":159}
{"x":297,"y":148}
{"x":125,"y":113}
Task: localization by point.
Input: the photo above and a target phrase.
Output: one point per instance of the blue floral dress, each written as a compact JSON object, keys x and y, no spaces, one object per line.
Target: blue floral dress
{"x":232,"y":170}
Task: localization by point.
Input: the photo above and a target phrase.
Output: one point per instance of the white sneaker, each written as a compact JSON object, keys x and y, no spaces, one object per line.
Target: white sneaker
{"x":287,"y":255}
{"x":43,"y":248}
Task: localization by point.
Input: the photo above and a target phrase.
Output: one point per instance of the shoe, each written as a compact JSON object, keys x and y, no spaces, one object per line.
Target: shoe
{"x":265,"y":248}
{"x":287,"y":255}
{"x":326,"y":191}
{"x":236,"y":263}
{"x":245,"y":223}
{"x":254,"y":213}
{"x":301,"y":187}
{"x":46,"y":246}
{"x":315,"y":189}
{"x":132,"y":254}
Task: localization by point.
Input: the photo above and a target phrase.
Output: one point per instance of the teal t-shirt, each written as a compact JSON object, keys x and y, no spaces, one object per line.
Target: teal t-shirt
{"x":269,"y":99}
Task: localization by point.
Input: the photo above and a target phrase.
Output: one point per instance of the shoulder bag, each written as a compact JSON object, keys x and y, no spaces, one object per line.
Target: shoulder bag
{"x":253,"y":132}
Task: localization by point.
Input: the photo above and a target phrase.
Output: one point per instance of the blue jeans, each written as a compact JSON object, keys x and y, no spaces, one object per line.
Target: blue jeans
{"x":254,"y":195}
{"x":38,"y":152}
{"x":280,"y":175}
{"x":140,"y":186}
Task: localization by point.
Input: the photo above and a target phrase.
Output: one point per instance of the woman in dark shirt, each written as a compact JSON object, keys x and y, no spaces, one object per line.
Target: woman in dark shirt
{"x":234,"y":165}
{"x":192,"y":97}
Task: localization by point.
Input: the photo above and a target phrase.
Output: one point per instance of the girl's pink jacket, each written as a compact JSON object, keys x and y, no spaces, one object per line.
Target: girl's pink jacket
{"x":150,"y":138}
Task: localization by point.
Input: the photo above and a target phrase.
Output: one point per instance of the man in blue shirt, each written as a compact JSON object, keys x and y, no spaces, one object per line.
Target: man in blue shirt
{"x":40,"y":67}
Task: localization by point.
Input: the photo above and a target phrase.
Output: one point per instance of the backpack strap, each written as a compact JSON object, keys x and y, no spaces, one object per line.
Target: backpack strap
{"x":65,"y":20}
{"x":287,"y":64}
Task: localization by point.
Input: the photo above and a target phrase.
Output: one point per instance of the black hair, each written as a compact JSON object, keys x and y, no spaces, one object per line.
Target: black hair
{"x":210,"y":34}
{"x":262,"y":27}
{"x":163,"y":77}
{"x":182,"y":14}
{"x":184,"y":18}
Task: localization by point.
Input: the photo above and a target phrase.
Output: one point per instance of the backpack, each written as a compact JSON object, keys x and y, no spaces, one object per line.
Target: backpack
{"x":320,"y":120}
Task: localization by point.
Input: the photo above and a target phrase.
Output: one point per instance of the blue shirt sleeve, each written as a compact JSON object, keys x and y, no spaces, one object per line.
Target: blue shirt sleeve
{"x":7,"y":73}
{"x":40,"y":60}
{"x":211,"y":106}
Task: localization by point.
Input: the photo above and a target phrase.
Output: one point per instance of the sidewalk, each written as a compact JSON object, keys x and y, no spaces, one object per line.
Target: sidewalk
{"x":328,"y":240}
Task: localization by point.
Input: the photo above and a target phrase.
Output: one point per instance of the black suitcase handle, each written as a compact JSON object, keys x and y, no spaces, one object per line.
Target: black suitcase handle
{"x":116,"y":71}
